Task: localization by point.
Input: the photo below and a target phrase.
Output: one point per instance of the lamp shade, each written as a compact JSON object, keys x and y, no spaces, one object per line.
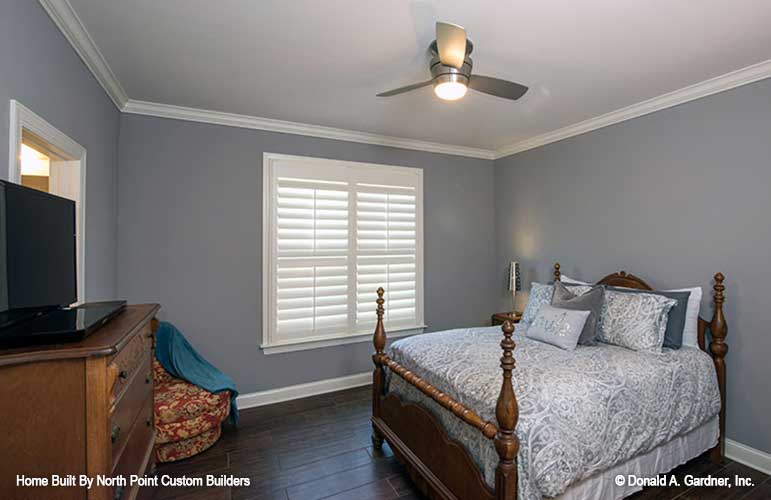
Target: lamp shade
{"x":515,"y":281}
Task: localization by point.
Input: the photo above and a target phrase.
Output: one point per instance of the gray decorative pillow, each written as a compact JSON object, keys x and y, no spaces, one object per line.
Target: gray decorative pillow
{"x":636,"y":321}
{"x":559,"y":327}
{"x":541,"y":294}
{"x":591,"y":301}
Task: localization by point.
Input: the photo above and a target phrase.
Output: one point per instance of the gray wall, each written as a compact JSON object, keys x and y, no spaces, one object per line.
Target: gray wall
{"x":42,"y":71}
{"x":190,"y":238}
{"x":674,"y":197}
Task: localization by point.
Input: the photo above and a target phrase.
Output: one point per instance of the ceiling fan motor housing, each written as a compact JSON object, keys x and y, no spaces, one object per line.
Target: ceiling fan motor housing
{"x":441,"y":73}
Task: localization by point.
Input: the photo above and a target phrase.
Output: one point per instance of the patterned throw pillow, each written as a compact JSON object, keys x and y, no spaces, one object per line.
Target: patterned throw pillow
{"x":636,"y":321}
{"x":541,"y":294}
{"x":559,"y":327}
{"x":673,"y":335}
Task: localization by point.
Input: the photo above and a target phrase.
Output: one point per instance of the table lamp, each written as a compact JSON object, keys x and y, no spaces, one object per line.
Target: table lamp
{"x":515,"y":283}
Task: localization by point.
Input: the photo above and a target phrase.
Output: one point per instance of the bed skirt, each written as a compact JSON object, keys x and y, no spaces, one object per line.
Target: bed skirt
{"x":659,"y":460}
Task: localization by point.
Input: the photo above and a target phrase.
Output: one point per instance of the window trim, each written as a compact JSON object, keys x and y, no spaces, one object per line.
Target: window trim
{"x":334,"y":340}
{"x":269,"y":236}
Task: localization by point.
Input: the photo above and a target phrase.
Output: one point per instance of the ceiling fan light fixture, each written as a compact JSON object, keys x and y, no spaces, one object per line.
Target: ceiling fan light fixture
{"x":450,"y":87}
{"x":450,"y":91}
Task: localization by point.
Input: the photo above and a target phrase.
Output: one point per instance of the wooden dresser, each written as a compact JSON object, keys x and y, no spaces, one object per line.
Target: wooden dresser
{"x":80,"y":408}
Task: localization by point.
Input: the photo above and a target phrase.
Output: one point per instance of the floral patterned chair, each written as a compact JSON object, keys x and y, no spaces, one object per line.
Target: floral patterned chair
{"x":188,"y":419}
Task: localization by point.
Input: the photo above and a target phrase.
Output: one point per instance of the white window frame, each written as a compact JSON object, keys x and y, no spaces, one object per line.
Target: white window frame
{"x":23,"y":118}
{"x":270,"y":237}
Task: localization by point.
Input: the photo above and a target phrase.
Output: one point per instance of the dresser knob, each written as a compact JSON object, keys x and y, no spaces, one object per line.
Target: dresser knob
{"x":149,"y":421}
{"x":123,"y":374}
{"x":115,"y":433}
{"x":149,"y":377}
{"x":119,"y":492}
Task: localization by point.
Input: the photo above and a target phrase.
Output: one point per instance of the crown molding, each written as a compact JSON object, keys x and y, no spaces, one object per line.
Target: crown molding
{"x":286,"y":127}
{"x":743,"y":76}
{"x":68,"y":22}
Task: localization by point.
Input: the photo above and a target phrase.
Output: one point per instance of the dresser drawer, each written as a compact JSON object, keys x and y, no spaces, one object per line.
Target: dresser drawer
{"x":127,"y":408}
{"x":138,"y":448}
{"x":126,"y":362}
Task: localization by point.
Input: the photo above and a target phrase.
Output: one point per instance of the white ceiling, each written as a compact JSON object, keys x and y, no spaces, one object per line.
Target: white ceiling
{"x":322,"y":62}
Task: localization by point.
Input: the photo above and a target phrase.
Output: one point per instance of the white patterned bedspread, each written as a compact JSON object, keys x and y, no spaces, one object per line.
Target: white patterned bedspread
{"x":580,"y":412}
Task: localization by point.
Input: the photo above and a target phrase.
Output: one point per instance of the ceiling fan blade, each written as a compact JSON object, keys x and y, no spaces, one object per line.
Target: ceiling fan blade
{"x":402,"y":90}
{"x":497,"y":87}
{"x":451,"y":44}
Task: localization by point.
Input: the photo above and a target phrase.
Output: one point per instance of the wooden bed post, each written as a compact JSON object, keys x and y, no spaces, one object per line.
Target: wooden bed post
{"x":378,"y":376}
{"x":507,"y":413}
{"x":717,"y":346}
{"x":557,"y":273}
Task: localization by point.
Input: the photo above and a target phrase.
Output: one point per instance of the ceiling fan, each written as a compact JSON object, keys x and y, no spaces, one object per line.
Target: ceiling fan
{"x":450,"y":69}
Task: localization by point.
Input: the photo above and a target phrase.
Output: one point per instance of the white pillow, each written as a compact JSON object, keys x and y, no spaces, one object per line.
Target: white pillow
{"x":691,"y":329}
{"x":570,"y":281}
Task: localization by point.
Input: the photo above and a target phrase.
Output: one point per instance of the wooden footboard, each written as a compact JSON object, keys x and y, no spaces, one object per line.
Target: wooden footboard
{"x":440,"y":466}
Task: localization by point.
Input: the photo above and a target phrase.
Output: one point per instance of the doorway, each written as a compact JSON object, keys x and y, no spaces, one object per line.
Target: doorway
{"x":44,"y":158}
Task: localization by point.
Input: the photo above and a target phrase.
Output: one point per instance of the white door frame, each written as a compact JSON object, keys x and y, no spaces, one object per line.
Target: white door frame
{"x":24,"y":118}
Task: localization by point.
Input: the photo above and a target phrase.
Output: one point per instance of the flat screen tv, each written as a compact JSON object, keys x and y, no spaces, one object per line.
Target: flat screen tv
{"x":38,"y":279}
{"x":37,"y":249}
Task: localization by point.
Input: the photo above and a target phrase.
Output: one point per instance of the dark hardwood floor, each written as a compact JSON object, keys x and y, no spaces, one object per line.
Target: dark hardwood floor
{"x":319,"y":447}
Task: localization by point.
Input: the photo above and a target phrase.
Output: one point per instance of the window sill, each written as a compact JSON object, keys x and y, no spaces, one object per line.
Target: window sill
{"x":304,"y":345}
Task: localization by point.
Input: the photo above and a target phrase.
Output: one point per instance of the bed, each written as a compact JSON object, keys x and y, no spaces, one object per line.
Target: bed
{"x":556,"y":424}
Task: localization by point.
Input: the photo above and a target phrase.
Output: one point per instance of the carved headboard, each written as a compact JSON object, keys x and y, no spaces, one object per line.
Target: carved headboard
{"x":621,"y":278}
{"x":627,"y":280}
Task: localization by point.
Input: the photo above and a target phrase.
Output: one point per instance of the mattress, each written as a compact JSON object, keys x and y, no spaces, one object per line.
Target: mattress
{"x":581,"y":413}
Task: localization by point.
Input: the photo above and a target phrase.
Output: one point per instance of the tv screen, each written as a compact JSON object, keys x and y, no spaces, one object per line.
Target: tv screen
{"x":37,"y":249}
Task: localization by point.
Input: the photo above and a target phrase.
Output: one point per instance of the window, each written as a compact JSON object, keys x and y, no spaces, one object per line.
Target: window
{"x":333,"y":232}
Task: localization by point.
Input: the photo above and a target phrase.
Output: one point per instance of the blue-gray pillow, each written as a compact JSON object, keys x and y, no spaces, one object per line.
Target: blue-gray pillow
{"x":673,"y":336}
{"x":558,"y":327}
{"x":591,"y":301}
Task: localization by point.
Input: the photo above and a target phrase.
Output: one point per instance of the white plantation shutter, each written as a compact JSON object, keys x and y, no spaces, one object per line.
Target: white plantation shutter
{"x":333,"y":233}
{"x":386,"y":245}
{"x":312,"y":257}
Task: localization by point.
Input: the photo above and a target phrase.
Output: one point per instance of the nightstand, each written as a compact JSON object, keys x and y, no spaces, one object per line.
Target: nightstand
{"x":499,"y":318}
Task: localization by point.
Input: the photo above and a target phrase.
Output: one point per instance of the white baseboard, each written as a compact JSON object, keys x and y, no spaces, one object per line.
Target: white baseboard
{"x":254,"y":399}
{"x":748,"y":456}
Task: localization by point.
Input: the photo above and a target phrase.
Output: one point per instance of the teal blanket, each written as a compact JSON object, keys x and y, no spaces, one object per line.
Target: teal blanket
{"x":178,"y":357}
